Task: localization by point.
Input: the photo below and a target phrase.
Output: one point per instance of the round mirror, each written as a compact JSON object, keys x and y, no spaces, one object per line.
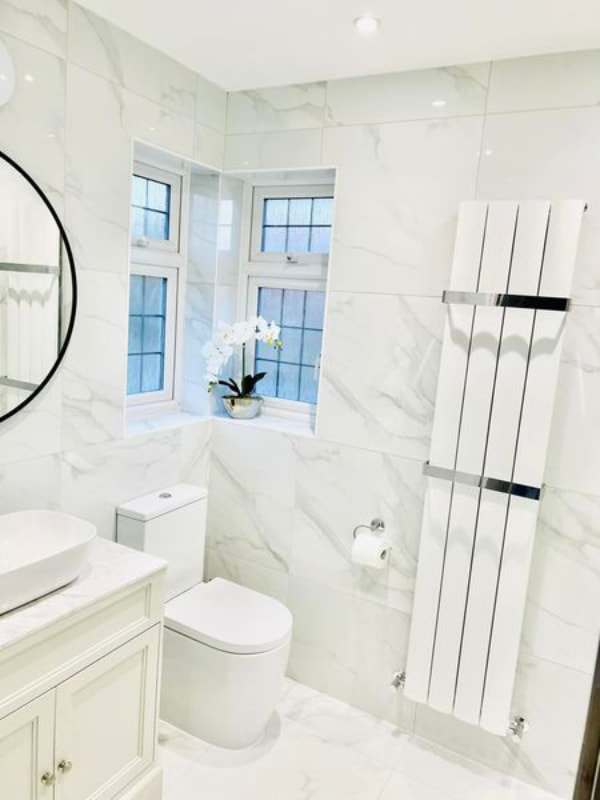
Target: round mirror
{"x":38,"y":290}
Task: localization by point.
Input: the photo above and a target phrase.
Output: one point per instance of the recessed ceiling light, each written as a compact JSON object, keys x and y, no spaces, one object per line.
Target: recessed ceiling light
{"x":438,"y":103}
{"x":367,"y":25}
{"x":29,"y":78}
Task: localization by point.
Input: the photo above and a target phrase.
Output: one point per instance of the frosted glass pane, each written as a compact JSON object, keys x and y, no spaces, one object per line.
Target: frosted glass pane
{"x":312,"y":347}
{"x":158,"y":195}
{"x":298,"y":240}
{"x":138,"y":191}
{"x":136,"y":294}
{"x":268,"y":384}
{"x":293,"y":307}
{"x":152,"y":373}
{"x":153,"y":335}
{"x":289,"y":375}
{"x":320,"y":240}
{"x":276,"y":212}
{"x":300,"y":211}
{"x":308,"y":385}
{"x":134,"y":366}
{"x":322,"y":211}
{"x":138,"y":221}
{"x":269,"y":303}
{"x":135,"y":335}
{"x":274,"y":240}
{"x":155,"y":295}
{"x":157,"y":225}
{"x":315,"y":309}
{"x":292,"y":340}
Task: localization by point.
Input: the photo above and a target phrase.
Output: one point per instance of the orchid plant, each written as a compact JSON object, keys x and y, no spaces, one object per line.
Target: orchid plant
{"x":218,"y":352}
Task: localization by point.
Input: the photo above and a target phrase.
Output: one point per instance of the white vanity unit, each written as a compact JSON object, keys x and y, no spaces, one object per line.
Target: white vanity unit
{"x":79,"y":677}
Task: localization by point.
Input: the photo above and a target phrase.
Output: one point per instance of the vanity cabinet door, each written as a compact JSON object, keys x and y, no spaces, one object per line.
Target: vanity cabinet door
{"x":106,"y":721}
{"x":27,"y":751}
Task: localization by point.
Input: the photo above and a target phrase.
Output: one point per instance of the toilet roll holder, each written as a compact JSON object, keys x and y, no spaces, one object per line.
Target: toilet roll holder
{"x":376,"y":525}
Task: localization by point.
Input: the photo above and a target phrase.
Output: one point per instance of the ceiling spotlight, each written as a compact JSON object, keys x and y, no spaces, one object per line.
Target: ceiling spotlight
{"x":367,"y":25}
{"x":438,"y":103}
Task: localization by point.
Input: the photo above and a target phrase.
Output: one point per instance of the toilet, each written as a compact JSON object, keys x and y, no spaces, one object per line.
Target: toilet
{"x":226,"y":647}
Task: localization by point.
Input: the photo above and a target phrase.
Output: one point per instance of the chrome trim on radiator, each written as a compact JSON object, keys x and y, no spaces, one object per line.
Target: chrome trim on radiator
{"x":482,"y":482}
{"x":529,"y":301}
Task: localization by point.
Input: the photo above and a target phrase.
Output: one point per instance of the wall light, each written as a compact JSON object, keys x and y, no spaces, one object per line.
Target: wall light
{"x":367,"y":25}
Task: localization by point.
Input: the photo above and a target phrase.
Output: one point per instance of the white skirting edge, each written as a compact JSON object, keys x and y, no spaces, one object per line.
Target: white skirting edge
{"x":148,"y":787}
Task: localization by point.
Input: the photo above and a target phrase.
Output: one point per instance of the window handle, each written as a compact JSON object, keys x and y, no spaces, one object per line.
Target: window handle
{"x":291,"y":259}
{"x":317,"y":367}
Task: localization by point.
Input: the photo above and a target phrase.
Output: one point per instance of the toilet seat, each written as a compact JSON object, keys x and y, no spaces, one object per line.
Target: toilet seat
{"x":229,"y":617}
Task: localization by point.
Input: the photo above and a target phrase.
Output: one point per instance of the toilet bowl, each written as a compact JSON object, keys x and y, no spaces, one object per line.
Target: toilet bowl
{"x":226,"y":647}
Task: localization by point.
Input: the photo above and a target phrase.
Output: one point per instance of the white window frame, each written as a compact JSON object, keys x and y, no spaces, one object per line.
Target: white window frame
{"x":166,"y":397}
{"x":141,"y":246}
{"x":278,"y":405}
{"x":262,"y":193}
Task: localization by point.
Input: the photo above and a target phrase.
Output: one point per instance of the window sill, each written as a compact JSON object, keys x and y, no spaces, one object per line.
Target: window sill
{"x":294,"y":426}
{"x":162,"y":421}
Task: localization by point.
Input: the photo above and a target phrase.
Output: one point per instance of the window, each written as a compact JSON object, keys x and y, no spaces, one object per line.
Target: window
{"x":295,"y":225}
{"x":292,"y":372}
{"x":155,"y":208}
{"x":152,"y":312}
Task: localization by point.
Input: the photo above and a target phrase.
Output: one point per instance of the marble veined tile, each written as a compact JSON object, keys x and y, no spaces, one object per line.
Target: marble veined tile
{"x":110,"y":52}
{"x":271,"y":582}
{"x":398,"y":189}
{"x":211,"y":104}
{"x":35,"y":430}
{"x":561,"y":620}
{"x":549,"y":155}
{"x":32,"y":124}
{"x":380,"y":369}
{"x":30,"y":484}
{"x":276,"y":108}
{"x":423,"y":94}
{"x":574,"y":447}
{"x":273,"y":150}
{"x":554,"y":80}
{"x":338,"y":488}
{"x":198,"y":327}
{"x":209,"y":146}
{"x":41,"y":23}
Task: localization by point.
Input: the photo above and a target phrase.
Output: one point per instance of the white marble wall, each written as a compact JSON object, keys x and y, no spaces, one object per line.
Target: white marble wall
{"x":408,"y":148}
{"x":72,"y":127}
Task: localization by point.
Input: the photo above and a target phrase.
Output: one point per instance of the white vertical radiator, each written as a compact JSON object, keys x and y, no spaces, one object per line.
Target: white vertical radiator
{"x":506,"y":310}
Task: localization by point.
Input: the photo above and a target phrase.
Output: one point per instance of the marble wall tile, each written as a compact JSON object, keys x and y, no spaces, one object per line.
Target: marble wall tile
{"x":195,"y":452}
{"x":398,"y":188}
{"x":41,"y":23}
{"x":549,"y":155}
{"x":94,"y":369}
{"x":251,"y":494}
{"x":424,"y":94}
{"x":209,"y":146}
{"x":556,"y":80}
{"x":338,"y":488}
{"x":30,"y":484}
{"x":211,"y":104}
{"x":34,"y":431}
{"x":277,"y":108}
{"x":562,"y":623}
{"x":379,"y":374}
{"x":229,"y":245}
{"x":123,"y":469}
{"x":32,"y":125}
{"x":198,"y":328}
{"x":271,"y":582}
{"x":277,"y":150}
{"x":574,"y":448}
{"x":111,"y":53}
{"x":203,"y":227}
{"x":348,"y":647}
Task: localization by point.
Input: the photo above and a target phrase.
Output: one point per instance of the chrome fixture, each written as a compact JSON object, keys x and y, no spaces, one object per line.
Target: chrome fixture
{"x":398,"y":681}
{"x":481,"y":481}
{"x":376,"y":526}
{"x":48,"y":779}
{"x":497,"y":300}
{"x":65,"y":766}
{"x":517,"y":728}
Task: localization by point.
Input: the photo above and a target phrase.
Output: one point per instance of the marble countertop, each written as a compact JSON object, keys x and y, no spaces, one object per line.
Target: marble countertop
{"x":111,"y":567}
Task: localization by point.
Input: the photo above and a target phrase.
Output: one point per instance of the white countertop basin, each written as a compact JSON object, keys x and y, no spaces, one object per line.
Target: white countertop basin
{"x":40,"y":551}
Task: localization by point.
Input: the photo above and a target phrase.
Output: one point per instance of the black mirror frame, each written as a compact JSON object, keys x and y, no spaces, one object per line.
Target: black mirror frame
{"x":74,"y":292}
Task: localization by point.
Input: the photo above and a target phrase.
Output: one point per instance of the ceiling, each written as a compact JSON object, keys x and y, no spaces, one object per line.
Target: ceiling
{"x":243,"y":44}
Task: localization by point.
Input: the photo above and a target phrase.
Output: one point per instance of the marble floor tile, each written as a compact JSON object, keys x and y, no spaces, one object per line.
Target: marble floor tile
{"x":317,"y":748}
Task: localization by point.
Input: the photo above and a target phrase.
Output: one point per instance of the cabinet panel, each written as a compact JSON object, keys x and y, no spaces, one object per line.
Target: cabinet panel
{"x":105,"y":721}
{"x":27,"y":751}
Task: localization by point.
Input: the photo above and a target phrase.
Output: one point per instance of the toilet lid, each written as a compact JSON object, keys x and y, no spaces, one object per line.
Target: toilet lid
{"x":229,"y":617}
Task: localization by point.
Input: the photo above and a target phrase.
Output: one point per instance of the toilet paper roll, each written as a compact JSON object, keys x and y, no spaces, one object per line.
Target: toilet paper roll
{"x":370,"y":551}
